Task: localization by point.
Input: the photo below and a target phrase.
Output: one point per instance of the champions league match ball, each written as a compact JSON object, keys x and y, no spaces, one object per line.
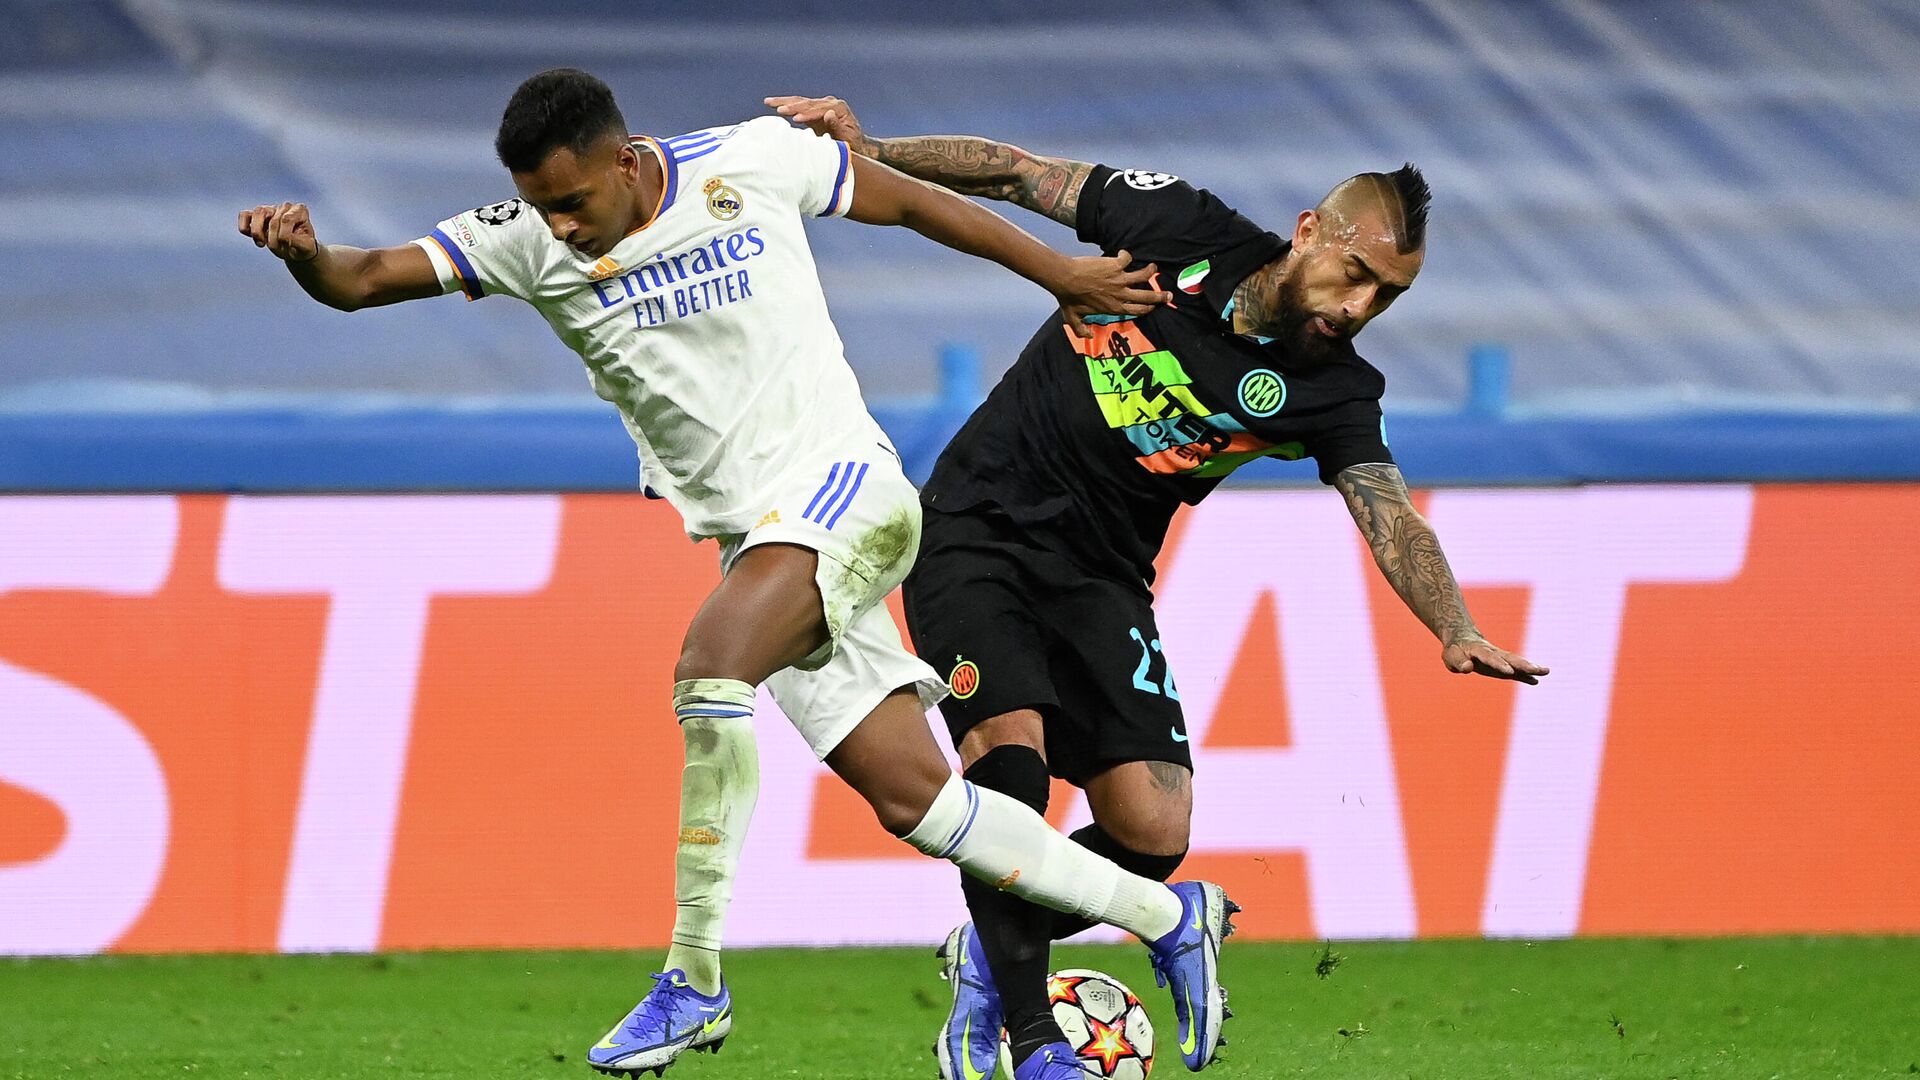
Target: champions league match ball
{"x":1105,"y":1024}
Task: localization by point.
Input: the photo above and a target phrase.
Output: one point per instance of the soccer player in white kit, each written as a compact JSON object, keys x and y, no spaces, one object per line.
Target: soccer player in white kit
{"x":678,"y":269}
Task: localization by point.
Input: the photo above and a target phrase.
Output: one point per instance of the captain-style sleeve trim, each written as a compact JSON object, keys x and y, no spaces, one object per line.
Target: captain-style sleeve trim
{"x":442,"y":264}
{"x":450,"y":265}
{"x":469,"y":281}
{"x":841,"y":200}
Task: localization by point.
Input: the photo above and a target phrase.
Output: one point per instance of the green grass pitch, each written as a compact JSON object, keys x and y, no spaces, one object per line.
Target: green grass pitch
{"x":1745,"y":1008}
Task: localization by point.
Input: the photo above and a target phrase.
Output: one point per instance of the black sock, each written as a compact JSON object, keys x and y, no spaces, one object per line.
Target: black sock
{"x":1015,"y":934}
{"x":1030,"y":1035}
{"x":1095,"y":839}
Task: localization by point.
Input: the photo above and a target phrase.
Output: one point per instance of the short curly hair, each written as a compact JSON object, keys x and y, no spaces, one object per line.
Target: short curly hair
{"x":564,"y":107}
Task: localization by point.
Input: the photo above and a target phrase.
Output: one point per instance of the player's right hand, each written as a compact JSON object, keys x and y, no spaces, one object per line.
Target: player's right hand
{"x":825,"y":115}
{"x":1102,"y":285}
{"x":285,"y":230}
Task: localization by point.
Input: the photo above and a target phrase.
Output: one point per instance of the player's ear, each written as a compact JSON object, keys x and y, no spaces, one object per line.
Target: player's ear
{"x":1305,"y":228}
{"x":627,"y":160}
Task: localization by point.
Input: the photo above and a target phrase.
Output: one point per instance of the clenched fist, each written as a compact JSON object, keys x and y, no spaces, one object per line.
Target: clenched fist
{"x":285,"y":230}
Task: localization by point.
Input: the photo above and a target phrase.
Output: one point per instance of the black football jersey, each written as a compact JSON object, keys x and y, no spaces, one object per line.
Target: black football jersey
{"x":1096,"y":442}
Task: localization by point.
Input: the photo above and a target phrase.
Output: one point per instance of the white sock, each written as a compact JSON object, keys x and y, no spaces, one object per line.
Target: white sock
{"x":718,"y":786}
{"x":1000,"y":840}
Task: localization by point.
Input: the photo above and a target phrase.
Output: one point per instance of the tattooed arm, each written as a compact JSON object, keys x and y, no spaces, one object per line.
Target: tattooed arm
{"x":964,"y":163}
{"x":1409,"y":556}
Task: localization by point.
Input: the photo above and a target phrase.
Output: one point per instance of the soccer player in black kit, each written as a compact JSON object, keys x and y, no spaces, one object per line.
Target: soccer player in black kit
{"x":1044,"y":514}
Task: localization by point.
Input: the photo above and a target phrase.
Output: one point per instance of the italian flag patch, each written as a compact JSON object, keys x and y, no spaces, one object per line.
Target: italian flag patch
{"x":1190,"y":278}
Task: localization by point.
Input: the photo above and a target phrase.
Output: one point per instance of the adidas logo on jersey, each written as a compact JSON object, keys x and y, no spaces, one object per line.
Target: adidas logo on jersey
{"x":603,"y":269}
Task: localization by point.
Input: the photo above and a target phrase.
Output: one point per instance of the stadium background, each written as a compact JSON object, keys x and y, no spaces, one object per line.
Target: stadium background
{"x":1660,"y":370}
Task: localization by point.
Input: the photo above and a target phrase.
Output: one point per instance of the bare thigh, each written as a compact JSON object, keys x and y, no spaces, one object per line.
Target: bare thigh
{"x":893,"y":762}
{"x":765,"y":615}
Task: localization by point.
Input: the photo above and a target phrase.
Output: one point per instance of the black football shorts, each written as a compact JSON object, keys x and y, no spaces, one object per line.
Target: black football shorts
{"x":1014,"y":624}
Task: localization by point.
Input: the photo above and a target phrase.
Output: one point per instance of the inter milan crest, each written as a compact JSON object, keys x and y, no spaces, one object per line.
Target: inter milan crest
{"x":1262,"y":392}
{"x":722,"y":201}
{"x":965,"y":679}
{"x":499,"y":213}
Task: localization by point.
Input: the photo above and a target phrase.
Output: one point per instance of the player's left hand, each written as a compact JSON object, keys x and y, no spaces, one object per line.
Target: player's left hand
{"x":824,"y":115}
{"x":1099,"y":285}
{"x":1481,"y":657}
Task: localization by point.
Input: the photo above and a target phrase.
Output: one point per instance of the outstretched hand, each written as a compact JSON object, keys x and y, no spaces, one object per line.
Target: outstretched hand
{"x":825,"y":115}
{"x":286,"y":230}
{"x":1102,"y":285}
{"x":1482,"y":657}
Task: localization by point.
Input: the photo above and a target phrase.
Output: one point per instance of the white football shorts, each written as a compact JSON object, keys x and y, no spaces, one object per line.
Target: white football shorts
{"x":863,"y":519}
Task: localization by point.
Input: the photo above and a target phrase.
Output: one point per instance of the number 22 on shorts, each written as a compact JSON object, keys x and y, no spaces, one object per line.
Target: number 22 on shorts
{"x":1141,"y":681}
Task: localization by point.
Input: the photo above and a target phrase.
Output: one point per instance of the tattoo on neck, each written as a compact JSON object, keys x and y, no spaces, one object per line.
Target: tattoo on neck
{"x":1254,"y":300}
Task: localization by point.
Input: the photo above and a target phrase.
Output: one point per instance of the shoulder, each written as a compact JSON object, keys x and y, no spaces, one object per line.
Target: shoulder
{"x":764,"y":140}
{"x":704,"y":142}
{"x":1139,"y":204}
{"x":507,"y":228}
{"x":495,"y":225}
{"x":1370,"y":384}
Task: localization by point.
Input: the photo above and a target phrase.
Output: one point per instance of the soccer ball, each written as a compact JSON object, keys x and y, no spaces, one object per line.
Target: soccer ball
{"x":1104,"y":1023}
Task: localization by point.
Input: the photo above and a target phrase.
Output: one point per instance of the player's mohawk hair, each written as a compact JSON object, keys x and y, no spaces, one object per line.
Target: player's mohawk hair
{"x":562,"y":107}
{"x":1399,"y":197}
{"x":1414,"y":197}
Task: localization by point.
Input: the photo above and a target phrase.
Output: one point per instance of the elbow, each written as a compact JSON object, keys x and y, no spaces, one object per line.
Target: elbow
{"x":351,"y":298}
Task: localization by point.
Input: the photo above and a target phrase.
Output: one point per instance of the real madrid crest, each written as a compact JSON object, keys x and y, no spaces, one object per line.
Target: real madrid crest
{"x":722,"y":201}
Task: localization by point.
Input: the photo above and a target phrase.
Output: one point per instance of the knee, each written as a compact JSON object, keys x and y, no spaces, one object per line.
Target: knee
{"x":701,"y":658}
{"x":1022,"y":728}
{"x":1152,"y":835}
{"x":1161,"y":826}
{"x":903,"y":805}
{"x":899,"y":816}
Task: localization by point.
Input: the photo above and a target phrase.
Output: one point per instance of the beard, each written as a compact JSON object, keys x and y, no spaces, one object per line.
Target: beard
{"x":1292,"y":323}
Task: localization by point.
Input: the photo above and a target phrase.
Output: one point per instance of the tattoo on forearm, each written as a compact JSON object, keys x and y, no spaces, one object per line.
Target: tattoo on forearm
{"x":975,"y":166}
{"x":1406,"y":549}
{"x":1167,"y":776}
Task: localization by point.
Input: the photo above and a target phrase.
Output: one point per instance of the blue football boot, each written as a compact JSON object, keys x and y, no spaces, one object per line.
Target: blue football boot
{"x":672,"y":1019}
{"x":969,"y":1045}
{"x":1187,"y":962}
{"x":1054,"y":1061}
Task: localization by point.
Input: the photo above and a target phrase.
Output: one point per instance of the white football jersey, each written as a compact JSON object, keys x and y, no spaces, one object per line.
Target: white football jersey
{"x":707,"y":327}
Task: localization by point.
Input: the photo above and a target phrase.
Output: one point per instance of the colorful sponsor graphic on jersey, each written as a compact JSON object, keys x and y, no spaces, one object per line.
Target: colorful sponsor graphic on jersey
{"x":1146,"y":395}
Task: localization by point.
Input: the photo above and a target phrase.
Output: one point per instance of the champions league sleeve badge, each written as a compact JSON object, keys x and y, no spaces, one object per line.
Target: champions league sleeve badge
{"x":1142,"y":180}
{"x":499,"y":213}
